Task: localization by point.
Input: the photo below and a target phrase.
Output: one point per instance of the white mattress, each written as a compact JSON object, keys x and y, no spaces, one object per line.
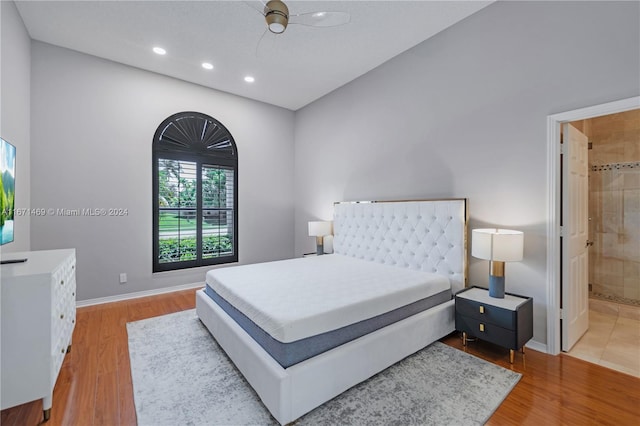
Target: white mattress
{"x":299,"y":298}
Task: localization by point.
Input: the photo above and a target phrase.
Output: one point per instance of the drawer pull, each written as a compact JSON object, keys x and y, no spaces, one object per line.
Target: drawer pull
{"x":61,"y":282}
{"x":481,"y":327}
{"x":61,"y":316}
{"x":73,"y":321}
{"x":481,"y":309}
{"x":73,"y":294}
{"x":62,"y":350}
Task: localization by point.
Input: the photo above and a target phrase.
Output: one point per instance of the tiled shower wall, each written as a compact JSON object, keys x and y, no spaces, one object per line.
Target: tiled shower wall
{"x":614,"y":206}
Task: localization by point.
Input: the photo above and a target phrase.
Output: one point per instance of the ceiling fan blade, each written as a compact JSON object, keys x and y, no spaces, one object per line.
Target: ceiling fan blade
{"x":260,"y":40}
{"x":320,"y":19}
{"x":257,"y":5}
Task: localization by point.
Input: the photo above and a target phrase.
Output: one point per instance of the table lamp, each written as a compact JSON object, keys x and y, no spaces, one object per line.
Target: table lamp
{"x":498,"y":246}
{"x":319,"y":229}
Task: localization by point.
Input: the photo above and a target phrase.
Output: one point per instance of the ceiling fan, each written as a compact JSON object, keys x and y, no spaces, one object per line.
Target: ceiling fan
{"x":276,"y":14}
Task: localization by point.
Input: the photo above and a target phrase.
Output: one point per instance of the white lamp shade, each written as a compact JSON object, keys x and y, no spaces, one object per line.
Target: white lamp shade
{"x":502,"y":245}
{"x":319,"y":228}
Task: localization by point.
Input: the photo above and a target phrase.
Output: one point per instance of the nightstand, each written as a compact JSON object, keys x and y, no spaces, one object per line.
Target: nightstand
{"x":506,"y":322}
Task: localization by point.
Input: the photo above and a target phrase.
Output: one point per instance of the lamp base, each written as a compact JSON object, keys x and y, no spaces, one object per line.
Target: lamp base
{"x":496,"y":286}
{"x":319,"y":246}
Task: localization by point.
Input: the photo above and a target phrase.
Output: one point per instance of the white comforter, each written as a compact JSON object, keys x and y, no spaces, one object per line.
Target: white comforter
{"x":298,"y":298}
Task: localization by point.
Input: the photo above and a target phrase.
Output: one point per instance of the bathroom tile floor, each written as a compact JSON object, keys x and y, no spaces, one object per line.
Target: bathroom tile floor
{"x":613,"y":338}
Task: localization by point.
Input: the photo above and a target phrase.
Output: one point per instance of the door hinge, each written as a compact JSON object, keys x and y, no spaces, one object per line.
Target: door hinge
{"x":561,"y":314}
{"x":562,"y":231}
{"x":561,"y":148}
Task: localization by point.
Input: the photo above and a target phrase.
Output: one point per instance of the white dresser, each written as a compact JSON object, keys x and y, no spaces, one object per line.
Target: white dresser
{"x":38,"y":315}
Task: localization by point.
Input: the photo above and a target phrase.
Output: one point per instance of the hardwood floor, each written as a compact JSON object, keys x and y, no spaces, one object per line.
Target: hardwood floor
{"x":560,"y":390}
{"x":94,"y":386}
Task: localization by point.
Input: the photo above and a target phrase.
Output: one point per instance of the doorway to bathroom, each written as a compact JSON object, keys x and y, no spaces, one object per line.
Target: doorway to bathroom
{"x":611,"y":249}
{"x":612,"y":338}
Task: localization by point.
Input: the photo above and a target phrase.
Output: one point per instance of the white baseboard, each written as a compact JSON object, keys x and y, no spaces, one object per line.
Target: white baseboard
{"x":136,"y":295}
{"x":537,"y":346}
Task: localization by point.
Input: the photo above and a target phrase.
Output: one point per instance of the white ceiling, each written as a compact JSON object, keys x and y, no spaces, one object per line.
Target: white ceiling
{"x":290,"y":69}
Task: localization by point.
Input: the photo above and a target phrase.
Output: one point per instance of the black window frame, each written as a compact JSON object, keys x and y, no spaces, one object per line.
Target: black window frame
{"x":181,"y":147}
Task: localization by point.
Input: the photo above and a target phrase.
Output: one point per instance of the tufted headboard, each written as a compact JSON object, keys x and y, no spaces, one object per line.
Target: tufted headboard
{"x":428,"y":235}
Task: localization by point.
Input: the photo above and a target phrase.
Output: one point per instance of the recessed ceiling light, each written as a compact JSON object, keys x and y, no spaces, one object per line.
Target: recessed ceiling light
{"x":249,"y":79}
{"x":159,"y":50}
{"x":207,"y":66}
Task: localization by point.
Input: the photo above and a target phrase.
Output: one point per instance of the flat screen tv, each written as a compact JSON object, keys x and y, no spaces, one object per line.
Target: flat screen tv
{"x":7,"y":190}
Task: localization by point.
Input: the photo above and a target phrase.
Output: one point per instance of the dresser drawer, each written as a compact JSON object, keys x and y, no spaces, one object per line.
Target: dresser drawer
{"x":62,"y":305}
{"x":485,"y":313}
{"x":487,"y":331}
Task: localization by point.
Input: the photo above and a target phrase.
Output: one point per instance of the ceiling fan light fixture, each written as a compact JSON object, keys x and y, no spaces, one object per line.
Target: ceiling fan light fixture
{"x":276,"y":13}
{"x":277,"y":27}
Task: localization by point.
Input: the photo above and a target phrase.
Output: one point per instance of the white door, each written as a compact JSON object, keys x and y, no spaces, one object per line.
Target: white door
{"x":575,"y":240}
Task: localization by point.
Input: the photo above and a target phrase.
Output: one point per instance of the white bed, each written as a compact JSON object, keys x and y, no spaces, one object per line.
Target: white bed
{"x":428,"y":236}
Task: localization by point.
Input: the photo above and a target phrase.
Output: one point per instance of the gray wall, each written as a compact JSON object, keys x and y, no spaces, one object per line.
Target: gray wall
{"x":15,"y":101}
{"x":92,"y":128}
{"x":464,"y":115}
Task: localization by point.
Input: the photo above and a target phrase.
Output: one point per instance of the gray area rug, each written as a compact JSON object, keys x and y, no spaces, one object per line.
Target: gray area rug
{"x":182,"y":377}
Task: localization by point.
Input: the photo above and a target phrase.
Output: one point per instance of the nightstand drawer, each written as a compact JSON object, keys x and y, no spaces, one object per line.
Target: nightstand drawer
{"x":487,"y":331}
{"x":483,"y":312}
{"x":507,"y":321}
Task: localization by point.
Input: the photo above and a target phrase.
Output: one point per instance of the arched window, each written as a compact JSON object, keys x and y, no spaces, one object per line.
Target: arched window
{"x":195,"y":193}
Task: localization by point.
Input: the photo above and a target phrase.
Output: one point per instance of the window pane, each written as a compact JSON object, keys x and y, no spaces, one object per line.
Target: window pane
{"x":217,"y":213}
{"x":177,"y":213}
{"x":168,"y":192}
{"x":177,"y":232}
